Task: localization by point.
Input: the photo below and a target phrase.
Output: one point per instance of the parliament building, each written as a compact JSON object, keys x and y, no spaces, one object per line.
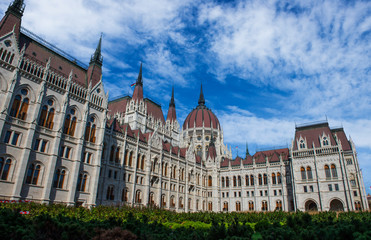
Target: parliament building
{"x":63,"y":141}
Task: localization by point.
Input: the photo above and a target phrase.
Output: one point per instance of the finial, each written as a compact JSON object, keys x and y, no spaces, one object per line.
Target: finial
{"x":247,"y":150}
{"x":201,"y":100}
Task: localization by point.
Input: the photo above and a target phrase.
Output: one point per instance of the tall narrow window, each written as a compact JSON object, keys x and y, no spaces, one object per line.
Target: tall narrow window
{"x":33,"y":174}
{"x":234,"y":181}
{"x":142,"y":162}
{"x":239,"y":181}
{"x":81,"y":182}
{"x":279,"y":179}
{"x":59,"y":178}
{"x":70,"y":123}
{"x":309,"y":173}
{"x":252,"y":180}
{"x":90,"y":130}
{"x":251,"y":206}
{"x":227,"y":181}
{"x":327,"y":172}
{"x":223,"y":182}
{"x":334,"y":171}
{"x":238,"y":206}
{"x":125,"y":194}
{"x":274,"y":178}
{"x":303,"y":174}
{"x":278,"y":205}
{"x":265,"y":179}
{"x":117,"y":158}
{"x":110,"y":193}
{"x":15,"y":107}
{"x":23,"y":111}
{"x":4,"y":168}
{"x":260,"y":179}
{"x":47,"y":115}
{"x":112,"y":153}
{"x":264,"y":206}
{"x":247,"y":180}
{"x":20,"y":105}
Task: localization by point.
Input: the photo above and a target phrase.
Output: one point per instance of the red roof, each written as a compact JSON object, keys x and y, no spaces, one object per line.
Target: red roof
{"x":201,"y":115}
{"x":174,"y":150}
{"x":273,"y":155}
{"x":212,"y":152}
{"x":342,"y":137}
{"x":248,"y":160}
{"x":313,"y":134}
{"x":118,"y":105}
{"x":155,"y":110}
{"x":198,"y":159}
{"x":183,"y":152}
{"x":224,"y":162}
{"x":166,"y":146}
{"x":138,"y":133}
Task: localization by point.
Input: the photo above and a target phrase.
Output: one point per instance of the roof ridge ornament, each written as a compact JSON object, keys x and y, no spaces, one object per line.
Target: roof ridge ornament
{"x":172,"y":101}
{"x":201,"y":100}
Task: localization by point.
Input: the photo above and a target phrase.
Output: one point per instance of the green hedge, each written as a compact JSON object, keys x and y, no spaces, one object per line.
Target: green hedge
{"x":61,"y":222}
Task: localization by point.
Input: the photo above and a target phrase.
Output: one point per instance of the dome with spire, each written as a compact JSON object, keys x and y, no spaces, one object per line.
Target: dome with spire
{"x":201,"y":116}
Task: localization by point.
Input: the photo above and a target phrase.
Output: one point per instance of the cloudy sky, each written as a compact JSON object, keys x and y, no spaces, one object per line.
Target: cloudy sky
{"x":265,"y":65}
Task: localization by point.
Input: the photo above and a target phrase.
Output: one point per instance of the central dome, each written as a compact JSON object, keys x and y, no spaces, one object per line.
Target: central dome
{"x":201,"y":116}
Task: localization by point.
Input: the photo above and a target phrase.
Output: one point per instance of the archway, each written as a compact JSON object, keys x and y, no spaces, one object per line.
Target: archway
{"x":310,"y":205}
{"x":336,"y":205}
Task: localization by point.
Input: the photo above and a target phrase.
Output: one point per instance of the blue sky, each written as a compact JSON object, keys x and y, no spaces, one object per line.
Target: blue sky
{"x":265,"y":65}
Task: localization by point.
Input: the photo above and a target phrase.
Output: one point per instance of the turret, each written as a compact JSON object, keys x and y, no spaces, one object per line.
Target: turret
{"x":12,"y":18}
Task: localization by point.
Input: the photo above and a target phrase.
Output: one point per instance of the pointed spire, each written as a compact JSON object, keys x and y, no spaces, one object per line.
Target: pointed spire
{"x":138,"y":90}
{"x":171,"y":113}
{"x":139,"y":79}
{"x":201,"y":100}
{"x":17,"y":7}
{"x":172,"y":101}
{"x":97,"y":56}
{"x":247,"y":150}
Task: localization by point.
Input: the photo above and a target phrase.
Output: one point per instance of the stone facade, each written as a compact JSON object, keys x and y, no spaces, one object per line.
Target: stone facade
{"x":63,"y":141}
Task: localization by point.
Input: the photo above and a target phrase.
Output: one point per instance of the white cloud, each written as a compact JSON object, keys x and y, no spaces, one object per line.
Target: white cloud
{"x":320,"y":51}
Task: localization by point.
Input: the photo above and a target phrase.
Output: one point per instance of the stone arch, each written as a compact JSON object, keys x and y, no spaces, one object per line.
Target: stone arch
{"x":311,"y":205}
{"x":336,"y":205}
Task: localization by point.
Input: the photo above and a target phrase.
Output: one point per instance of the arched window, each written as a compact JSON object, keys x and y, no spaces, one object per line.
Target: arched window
{"x":33,"y":174}
{"x":81,"y":182}
{"x":303,"y":174}
{"x":327,"y":172}
{"x":239,"y":181}
{"x":247,"y":180}
{"x":110,"y":193}
{"x":210,"y":181}
{"x":166,"y":166}
{"x":225,"y":206}
{"x":197,"y":204}
{"x":324,"y":141}
{"x":279,"y":179}
{"x":142,"y":162}
{"x":264,"y":206}
{"x":90,"y":130}
{"x":125,"y":195}
{"x":260,"y":179}
{"x":172,"y":201}
{"x":59,"y":178}
{"x":112,"y":153}
{"x":302,"y":144}
{"x":273,"y":178}
{"x":163,"y":202}
{"x":181,"y":202}
{"x":265,"y":179}
{"x":223,"y":183}
{"x":227,"y":181}
{"x":20,"y":105}
{"x":278,"y":205}
{"x":70,"y":123}
{"x":138,"y":196}
{"x":238,"y":206}
{"x":4,"y":168}
{"x":131,"y":159}
{"x":251,"y":206}
{"x":309,"y":173}
{"x":117,"y":157}
{"x":252,"y":180}
{"x":210,"y":206}
{"x":126,"y":157}
{"x":190,"y":203}
{"x":47,"y":115}
{"x":334,"y":171}
{"x":151,"y":199}
{"x":234,"y":181}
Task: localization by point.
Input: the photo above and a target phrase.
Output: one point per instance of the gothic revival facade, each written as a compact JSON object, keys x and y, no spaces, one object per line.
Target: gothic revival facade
{"x":62,"y":141}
